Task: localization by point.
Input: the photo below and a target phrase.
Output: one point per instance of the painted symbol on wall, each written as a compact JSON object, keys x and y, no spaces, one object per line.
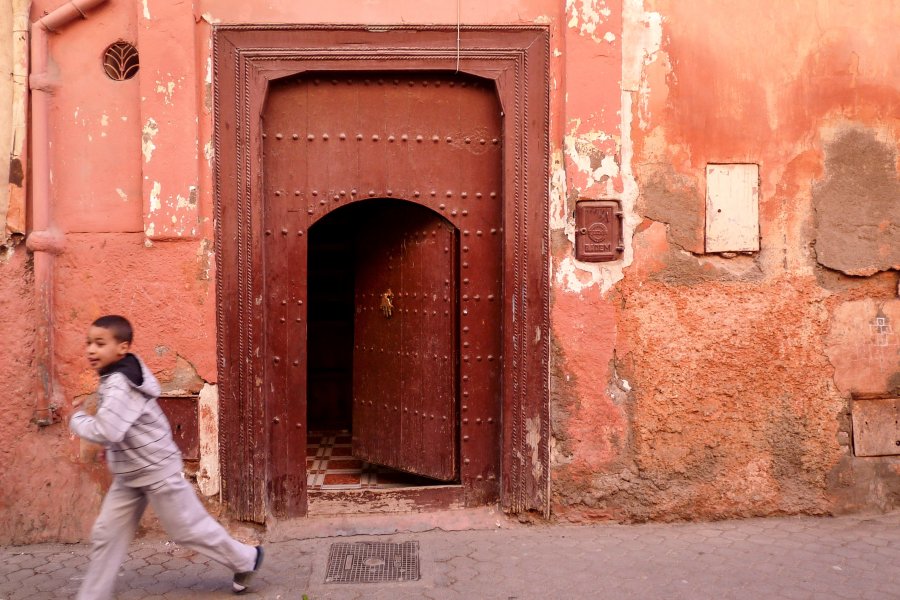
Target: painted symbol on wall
{"x":882,"y":330}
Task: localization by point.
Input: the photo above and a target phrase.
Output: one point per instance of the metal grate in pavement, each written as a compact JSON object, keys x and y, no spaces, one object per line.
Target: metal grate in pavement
{"x":371,"y":562}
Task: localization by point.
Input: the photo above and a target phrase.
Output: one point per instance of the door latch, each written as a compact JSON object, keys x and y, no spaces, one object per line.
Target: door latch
{"x":387,"y":305}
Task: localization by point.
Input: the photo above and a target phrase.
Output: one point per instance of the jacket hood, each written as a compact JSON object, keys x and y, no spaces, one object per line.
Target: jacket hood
{"x":136,"y":374}
{"x":150,"y":386}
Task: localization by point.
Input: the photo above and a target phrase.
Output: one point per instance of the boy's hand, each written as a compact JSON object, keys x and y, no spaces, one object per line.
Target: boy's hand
{"x":85,"y":402}
{"x":65,"y":411}
{"x":79,"y":404}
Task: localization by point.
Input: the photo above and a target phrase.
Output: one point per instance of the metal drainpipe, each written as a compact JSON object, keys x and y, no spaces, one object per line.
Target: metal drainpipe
{"x":45,"y":240}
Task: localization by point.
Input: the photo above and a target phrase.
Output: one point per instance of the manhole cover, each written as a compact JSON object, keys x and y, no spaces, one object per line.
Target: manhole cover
{"x":370,"y":562}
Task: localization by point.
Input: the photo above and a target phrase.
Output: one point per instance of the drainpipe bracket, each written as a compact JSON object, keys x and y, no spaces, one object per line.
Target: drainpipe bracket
{"x":47,"y":416}
{"x":50,"y":241}
{"x":42,"y":82}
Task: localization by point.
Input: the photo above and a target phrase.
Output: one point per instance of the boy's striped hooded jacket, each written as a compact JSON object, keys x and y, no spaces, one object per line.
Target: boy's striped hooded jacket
{"x":129,"y":422}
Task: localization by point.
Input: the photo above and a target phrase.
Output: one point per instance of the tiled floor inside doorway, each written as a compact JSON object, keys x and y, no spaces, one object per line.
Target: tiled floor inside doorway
{"x":330,"y":465}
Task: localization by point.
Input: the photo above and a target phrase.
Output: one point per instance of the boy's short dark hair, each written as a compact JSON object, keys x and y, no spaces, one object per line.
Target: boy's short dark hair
{"x":118,"y":325}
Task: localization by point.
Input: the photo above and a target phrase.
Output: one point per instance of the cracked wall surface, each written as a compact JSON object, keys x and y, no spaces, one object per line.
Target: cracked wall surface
{"x":857,"y":204}
{"x":739,"y":368}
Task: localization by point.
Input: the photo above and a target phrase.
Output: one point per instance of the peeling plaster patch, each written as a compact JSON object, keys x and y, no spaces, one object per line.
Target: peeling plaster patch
{"x":208,"y":475}
{"x":208,"y":77}
{"x":206,"y":257}
{"x":588,"y":18}
{"x":609,"y":36}
{"x":582,"y":161}
{"x":210,"y":19}
{"x":186,"y":203}
{"x":641,"y":41}
{"x":122,"y":194}
{"x":543,"y":20}
{"x":576,"y":276}
{"x":155,"y":204}
{"x":583,"y":152}
{"x":558,"y":208}
{"x":104,"y":120}
{"x":208,"y":152}
{"x":166,"y":90}
{"x":608,"y":168}
{"x":149,"y":231}
{"x":146,"y":9}
{"x":149,"y":132}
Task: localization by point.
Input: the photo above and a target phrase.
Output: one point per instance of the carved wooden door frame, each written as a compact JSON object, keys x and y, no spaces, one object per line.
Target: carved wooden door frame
{"x":516,"y":58}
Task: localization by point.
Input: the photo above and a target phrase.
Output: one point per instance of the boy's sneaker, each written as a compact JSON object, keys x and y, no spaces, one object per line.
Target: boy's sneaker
{"x":242,"y":580}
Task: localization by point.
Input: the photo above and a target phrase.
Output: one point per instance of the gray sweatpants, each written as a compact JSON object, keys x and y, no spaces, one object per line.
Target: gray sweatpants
{"x":181,"y":514}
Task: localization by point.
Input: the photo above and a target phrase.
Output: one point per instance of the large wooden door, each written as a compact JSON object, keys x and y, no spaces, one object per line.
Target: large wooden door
{"x":404,"y":352}
{"x":267,"y":197}
{"x":416,"y":153}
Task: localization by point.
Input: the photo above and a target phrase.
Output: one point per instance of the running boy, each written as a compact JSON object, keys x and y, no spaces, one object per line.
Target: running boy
{"x":146,"y":467}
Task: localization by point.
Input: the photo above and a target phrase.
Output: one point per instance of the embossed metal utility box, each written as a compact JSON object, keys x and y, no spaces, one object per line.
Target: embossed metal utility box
{"x":598,"y":230}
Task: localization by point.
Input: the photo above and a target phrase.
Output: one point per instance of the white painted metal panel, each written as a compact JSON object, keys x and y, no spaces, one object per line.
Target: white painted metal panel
{"x":732,"y":208}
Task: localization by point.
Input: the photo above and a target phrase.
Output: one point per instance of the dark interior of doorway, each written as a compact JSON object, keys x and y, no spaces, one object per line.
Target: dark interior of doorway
{"x":330,"y":280}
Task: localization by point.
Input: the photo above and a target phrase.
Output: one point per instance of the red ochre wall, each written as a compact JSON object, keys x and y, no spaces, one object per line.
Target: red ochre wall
{"x":704,"y":386}
{"x":683,"y":385}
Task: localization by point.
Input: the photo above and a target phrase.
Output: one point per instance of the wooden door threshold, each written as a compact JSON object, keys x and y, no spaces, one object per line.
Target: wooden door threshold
{"x":411,"y":499}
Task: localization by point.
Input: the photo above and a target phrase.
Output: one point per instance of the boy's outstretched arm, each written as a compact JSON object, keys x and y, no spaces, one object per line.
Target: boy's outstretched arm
{"x":119,"y":408}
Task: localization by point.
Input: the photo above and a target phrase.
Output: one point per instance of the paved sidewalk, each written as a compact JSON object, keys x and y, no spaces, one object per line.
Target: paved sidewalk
{"x":855,"y":557}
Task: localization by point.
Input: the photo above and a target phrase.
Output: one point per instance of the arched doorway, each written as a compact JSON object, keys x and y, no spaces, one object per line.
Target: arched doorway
{"x":382,"y":373}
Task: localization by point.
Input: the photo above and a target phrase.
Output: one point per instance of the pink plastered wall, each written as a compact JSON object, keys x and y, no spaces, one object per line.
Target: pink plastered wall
{"x":683,"y":384}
